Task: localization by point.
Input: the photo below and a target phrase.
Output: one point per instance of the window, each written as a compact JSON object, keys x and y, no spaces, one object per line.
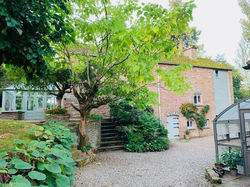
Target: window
{"x":19,"y":103}
{"x":207,"y":123}
{"x":216,"y":73}
{"x":197,"y":99}
{"x":190,"y":124}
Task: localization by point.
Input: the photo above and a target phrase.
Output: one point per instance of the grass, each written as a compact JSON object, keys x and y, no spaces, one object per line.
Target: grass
{"x":10,"y":130}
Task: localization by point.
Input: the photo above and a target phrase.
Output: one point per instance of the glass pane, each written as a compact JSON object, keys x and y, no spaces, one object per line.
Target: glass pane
{"x":19,"y":103}
{"x":40,"y":103}
{"x":9,"y":98}
{"x":247,"y":127}
{"x":30,"y":103}
{"x":229,"y":134}
{"x":50,"y":102}
{"x":245,"y":104}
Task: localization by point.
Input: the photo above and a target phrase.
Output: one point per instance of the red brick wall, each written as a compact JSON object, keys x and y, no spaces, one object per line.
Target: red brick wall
{"x":201,"y":80}
{"x":69,"y":99}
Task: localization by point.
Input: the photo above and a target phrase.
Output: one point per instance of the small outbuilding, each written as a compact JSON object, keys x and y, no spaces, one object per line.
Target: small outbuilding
{"x":232,"y":131}
{"x":29,"y":103}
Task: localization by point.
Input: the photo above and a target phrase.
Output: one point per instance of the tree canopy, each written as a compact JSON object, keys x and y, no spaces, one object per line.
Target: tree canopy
{"x":118,"y":50}
{"x":27,"y":27}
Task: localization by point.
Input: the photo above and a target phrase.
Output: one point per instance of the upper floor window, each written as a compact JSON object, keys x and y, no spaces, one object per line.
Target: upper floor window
{"x":197,"y":99}
{"x":217,"y":74}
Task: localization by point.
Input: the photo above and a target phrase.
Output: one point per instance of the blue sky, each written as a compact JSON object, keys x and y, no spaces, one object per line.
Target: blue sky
{"x":219,"y":21}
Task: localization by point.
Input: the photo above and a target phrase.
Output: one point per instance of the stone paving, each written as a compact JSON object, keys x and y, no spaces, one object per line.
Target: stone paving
{"x":182,"y":165}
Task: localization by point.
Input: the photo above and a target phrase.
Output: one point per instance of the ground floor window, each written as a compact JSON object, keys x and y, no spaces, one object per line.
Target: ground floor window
{"x":190,"y":124}
{"x":207,"y":123}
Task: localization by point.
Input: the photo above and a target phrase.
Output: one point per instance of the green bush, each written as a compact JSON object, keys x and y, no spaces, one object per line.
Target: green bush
{"x":43,"y":162}
{"x":55,"y":133}
{"x":95,"y":116}
{"x":232,"y":158}
{"x":140,"y":129}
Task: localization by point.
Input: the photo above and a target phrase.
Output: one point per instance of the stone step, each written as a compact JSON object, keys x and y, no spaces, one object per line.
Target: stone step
{"x":108,"y":134}
{"x":108,"y":130}
{"x":117,"y":142}
{"x":108,"y":127}
{"x":107,"y":120}
{"x":110,"y":138}
{"x":107,"y":124}
{"x":111,"y":148}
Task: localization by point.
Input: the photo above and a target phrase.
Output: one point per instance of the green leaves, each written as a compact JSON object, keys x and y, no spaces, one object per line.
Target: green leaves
{"x":41,"y":162}
{"x":53,"y":168}
{"x":22,"y":165}
{"x":35,"y":175}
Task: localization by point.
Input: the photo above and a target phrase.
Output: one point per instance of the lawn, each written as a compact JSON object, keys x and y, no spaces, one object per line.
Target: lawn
{"x":10,"y":130}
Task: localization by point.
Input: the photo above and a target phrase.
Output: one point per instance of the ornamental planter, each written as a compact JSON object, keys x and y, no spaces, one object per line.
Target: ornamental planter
{"x":20,"y":116}
{"x":58,"y":117}
{"x":186,"y":137}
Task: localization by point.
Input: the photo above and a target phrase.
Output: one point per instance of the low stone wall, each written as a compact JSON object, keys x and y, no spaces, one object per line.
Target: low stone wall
{"x":93,"y":130}
{"x":11,"y":115}
{"x":58,"y":117}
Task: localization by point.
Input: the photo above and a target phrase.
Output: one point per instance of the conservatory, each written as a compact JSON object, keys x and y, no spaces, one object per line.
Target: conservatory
{"x":31,"y":103}
{"x":232,"y":133}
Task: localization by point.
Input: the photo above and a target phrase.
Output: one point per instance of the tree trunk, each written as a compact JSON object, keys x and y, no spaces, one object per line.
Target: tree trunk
{"x":82,"y":131}
{"x":59,"y":101}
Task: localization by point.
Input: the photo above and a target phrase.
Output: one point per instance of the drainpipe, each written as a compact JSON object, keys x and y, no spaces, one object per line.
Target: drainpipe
{"x":159,"y":96}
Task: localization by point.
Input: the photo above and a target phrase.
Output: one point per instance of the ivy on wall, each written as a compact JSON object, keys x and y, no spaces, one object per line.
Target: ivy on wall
{"x":190,"y":111}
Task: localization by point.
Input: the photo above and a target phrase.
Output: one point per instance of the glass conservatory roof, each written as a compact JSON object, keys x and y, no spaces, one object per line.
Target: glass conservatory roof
{"x":231,"y":114}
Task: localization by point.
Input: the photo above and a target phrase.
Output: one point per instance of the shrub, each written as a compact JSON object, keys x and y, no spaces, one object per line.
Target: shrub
{"x":46,"y":161}
{"x":55,"y":133}
{"x":190,"y":111}
{"x":232,"y":158}
{"x":56,"y":110}
{"x":95,"y":116}
{"x":144,"y":132}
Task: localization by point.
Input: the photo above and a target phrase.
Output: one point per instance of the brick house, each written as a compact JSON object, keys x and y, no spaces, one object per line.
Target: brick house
{"x":211,"y":85}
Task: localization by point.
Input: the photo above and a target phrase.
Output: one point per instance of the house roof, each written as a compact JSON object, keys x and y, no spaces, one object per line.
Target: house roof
{"x":199,"y":62}
{"x":23,"y":88}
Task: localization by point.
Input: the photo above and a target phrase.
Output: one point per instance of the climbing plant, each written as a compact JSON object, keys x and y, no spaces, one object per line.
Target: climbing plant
{"x":190,"y":111}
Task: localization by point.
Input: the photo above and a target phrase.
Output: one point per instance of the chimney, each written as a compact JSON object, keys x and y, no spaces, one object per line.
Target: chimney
{"x":190,"y":52}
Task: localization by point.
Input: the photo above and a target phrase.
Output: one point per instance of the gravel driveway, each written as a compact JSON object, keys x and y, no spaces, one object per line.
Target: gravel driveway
{"x":182,"y":165}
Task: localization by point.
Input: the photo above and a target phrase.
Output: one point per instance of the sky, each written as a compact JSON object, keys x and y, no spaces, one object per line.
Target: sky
{"x":219,"y":21}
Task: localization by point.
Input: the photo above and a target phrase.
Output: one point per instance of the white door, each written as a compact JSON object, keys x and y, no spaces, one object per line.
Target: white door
{"x":173,"y":127}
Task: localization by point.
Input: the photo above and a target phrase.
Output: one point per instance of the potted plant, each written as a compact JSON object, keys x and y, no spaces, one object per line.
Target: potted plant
{"x":19,"y":115}
{"x":84,"y":151}
{"x":186,"y":136}
{"x":89,"y":149}
{"x":231,"y":159}
{"x":219,"y":168}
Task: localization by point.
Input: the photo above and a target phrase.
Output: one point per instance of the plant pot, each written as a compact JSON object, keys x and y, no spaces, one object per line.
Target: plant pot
{"x":219,"y":166}
{"x":84,"y":154}
{"x":186,"y":137}
{"x":233,"y":171}
{"x":89,"y":152}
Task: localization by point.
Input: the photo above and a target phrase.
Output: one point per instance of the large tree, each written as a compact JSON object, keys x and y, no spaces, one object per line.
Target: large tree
{"x":26,"y":29}
{"x":245,"y":7}
{"x":118,"y":51}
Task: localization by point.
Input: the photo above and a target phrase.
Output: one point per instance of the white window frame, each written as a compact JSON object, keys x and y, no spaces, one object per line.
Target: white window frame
{"x":207,"y":123}
{"x":196,"y":95}
{"x":190,"y":122}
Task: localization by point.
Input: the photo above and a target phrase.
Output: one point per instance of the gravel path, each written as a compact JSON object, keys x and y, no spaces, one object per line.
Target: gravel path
{"x":182,"y":165}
